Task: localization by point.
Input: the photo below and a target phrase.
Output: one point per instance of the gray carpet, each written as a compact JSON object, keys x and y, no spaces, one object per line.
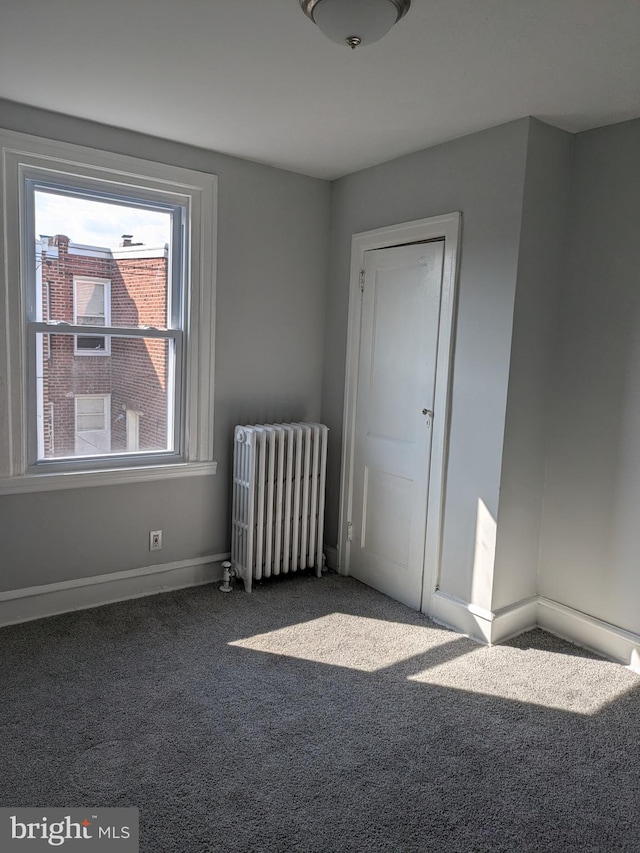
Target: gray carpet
{"x":318,"y":715}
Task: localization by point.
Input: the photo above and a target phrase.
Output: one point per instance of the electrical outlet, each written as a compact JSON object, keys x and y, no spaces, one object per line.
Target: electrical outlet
{"x":155,"y":540}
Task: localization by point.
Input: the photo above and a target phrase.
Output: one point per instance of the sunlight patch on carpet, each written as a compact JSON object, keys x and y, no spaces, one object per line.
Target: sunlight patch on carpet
{"x":551,"y":680}
{"x":354,"y":642}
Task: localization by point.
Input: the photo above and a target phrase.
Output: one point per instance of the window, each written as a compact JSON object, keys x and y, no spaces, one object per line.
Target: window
{"x":91,"y":307}
{"x":98,"y":241}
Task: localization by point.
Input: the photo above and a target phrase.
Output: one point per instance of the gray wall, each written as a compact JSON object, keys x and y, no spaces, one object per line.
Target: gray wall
{"x":483,"y":176}
{"x":272,"y":261}
{"x":590,"y":551}
{"x":547,"y":359}
{"x":535,"y":329}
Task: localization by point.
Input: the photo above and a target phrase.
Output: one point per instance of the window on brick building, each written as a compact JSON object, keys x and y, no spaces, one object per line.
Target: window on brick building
{"x":91,"y":307}
{"x":103,"y":242}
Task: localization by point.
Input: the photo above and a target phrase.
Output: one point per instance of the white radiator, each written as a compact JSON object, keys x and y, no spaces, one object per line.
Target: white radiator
{"x":279,"y":473}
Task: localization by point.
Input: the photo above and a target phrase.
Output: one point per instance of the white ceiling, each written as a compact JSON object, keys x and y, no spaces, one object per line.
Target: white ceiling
{"x":255,"y":78}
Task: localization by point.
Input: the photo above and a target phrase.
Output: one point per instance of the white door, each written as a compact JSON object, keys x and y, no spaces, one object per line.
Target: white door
{"x":393,"y":424}
{"x":93,"y":427}
{"x":133,"y":430}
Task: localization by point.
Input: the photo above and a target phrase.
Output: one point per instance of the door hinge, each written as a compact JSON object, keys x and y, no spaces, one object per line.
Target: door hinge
{"x":362,"y":281}
{"x":349,"y":531}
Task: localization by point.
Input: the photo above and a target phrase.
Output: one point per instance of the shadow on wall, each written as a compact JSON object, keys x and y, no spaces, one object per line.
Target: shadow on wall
{"x":591,"y":538}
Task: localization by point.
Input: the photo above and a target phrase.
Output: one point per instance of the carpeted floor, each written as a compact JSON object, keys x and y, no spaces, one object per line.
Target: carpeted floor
{"x":318,"y":715}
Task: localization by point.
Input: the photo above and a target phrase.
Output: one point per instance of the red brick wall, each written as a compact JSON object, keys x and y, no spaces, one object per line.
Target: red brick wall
{"x":135,"y":371}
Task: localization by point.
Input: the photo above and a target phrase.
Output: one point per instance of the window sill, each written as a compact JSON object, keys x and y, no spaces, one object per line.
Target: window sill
{"x":112,"y":477}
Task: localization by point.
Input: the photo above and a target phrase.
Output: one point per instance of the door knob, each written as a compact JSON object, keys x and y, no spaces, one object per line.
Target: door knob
{"x":427,"y":412}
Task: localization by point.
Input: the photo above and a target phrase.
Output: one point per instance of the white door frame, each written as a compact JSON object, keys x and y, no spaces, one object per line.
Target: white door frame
{"x":436,"y":227}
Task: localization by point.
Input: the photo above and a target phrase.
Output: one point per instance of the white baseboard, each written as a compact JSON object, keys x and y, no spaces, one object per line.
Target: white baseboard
{"x":514,"y":619}
{"x":332,"y":557}
{"x":589,"y":632}
{"x":467,"y":619}
{"x":22,"y":605}
{"x":498,"y":626}
{"x":485,"y":626}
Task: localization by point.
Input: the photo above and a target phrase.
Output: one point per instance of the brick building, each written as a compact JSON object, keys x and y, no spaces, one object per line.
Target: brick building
{"x":101,"y":394}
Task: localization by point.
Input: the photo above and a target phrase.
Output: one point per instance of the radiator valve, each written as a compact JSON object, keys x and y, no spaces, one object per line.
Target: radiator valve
{"x":228,"y":572}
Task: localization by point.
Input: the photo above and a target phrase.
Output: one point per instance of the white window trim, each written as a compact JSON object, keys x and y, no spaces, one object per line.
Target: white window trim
{"x":195,"y":190}
{"x":106,"y":283}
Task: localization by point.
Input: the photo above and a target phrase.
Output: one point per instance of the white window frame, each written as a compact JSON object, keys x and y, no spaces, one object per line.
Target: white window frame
{"x":28,"y":158}
{"x":106,"y":283}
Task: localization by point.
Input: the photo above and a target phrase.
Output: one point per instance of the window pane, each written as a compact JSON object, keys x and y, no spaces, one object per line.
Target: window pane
{"x":125,"y":245}
{"x":89,"y":321}
{"x":91,"y":344}
{"x":90,"y":422}
{"x":90,"y":301}
{"x":90,"y":405}
{"x":122,"y":402}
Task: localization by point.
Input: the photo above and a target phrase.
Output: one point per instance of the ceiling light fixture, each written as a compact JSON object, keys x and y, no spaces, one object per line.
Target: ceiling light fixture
{"x":355,"y":22}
